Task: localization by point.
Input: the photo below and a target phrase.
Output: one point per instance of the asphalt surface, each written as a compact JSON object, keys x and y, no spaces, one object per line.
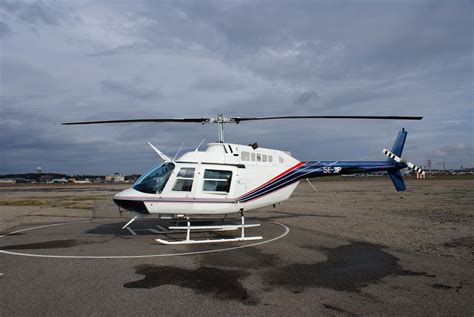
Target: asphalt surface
{"x":331,"y":262}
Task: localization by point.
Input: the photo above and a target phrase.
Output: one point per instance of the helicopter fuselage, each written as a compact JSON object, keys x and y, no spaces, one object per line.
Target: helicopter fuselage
{"x":229,"y":178}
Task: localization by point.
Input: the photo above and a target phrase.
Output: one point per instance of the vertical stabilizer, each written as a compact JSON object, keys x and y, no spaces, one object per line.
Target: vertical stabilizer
{"x":397,"y":148}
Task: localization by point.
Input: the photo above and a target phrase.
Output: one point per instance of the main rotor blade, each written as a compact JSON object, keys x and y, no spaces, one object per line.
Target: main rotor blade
{"x":238,"y":119}
{"x":178,"y":120}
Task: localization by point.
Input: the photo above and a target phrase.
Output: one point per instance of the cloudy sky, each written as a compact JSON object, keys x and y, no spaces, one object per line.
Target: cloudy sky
{"x":86,"y":60}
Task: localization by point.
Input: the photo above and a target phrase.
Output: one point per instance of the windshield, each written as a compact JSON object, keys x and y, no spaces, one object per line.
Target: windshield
{"x":154,"y":181}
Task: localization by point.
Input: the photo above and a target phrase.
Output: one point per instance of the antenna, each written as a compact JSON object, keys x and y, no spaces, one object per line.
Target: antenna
{"x":199,"y":145}
{"x":163,"y":156}
{"x":174,"y":158}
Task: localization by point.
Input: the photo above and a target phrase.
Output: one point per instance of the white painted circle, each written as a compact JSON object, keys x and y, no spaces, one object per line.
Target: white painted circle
{"x":287,"y":230}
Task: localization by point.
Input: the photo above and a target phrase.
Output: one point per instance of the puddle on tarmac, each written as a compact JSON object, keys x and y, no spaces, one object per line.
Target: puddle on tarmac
{"x":250,"y":257}
{"x":221,"y":284}
{"x":347,"y":268}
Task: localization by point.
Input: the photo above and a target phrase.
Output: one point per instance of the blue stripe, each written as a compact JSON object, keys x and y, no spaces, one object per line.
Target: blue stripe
{"x":279,"y":183}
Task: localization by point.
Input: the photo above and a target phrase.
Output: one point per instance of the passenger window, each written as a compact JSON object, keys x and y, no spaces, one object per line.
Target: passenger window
{"x":245,"y":156}
{"x":281,"y":159}
{"x":217,"y":181}
{"x":253,"y":157}
{"x":270,"y":158}
{"x":264,"y":158}
{"x":184,"y":180}
{"x":186,"y":172}
{"x":259,"y":157}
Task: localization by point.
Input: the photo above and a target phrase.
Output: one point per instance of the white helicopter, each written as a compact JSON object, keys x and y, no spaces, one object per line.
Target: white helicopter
{"x":230,"y":178}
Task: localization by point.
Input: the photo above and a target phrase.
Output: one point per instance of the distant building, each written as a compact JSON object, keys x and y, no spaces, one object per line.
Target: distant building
{"x":116,"y":178}
{"x":60,"y":181}
{"x":45,"y":178}
{"x":86,"y":181}
{"x":7,"y":181}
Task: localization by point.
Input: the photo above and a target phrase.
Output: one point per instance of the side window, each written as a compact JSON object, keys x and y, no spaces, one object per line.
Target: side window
{"x":184,"y":180}
{"x":259,"y":157}
{"x":281,"y":159}
{"x":253,"y":157}
{"x":217,"y":181}
{"x":245,"y":156}
{"x":264,"y":158}
{"x":270,"y":158}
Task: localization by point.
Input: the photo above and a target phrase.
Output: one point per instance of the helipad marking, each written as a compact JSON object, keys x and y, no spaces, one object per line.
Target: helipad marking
{"x":287,"y":230}
{"x":39,"y":227}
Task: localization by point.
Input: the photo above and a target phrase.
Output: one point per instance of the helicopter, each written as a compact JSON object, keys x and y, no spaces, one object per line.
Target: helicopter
{"x":228,"y":178}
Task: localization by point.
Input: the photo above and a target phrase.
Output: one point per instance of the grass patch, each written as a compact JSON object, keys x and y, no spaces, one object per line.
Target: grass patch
{"x":81,"y":202}
{"x":25,"y":202}
{"x":78,"y":206}
{"x":84,"y":198}
{"x":77,"y":198}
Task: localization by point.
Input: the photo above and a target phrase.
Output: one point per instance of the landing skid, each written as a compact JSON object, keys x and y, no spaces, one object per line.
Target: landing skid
{"x":188,"y":228}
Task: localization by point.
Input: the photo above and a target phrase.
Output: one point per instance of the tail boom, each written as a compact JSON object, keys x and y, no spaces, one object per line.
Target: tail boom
{"x":392,"y":165}
{"x":312,"y":169}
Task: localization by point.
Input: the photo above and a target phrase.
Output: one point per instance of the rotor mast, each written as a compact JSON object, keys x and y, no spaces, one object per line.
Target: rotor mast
{"x":220,"y":127}
{"x":221,"y":120}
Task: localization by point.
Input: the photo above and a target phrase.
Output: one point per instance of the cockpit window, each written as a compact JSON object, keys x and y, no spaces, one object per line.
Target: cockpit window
{"x":154,"y":181}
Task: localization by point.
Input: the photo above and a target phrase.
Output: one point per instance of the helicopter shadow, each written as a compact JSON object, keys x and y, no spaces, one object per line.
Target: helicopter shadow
{"x":139,"y":227}
{"x":152,"y":227}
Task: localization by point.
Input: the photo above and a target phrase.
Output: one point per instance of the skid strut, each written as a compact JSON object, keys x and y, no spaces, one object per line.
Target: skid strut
{"x":222,"y":227}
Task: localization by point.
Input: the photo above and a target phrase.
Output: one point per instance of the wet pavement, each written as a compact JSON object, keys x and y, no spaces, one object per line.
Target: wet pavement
{"x":320,"y":267}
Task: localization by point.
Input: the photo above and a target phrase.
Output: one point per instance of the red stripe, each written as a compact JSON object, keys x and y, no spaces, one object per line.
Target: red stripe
{"x":255,"y":198}
{"x":183,"y":202}
{"x":274,"y":178}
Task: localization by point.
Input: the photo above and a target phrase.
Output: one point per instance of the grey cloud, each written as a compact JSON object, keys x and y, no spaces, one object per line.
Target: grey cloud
{"x":442,"y":31}
{"x":463,"y":149}
{"x":308,"y":41}
{"x":352,"y":97}
{"x":4,"y":29}
{"x":132,"y":90}
{"x":219,"y":84}
{"x":32,"y":13}
{"x":306,"y":96}
{"x":240,"y":58}
{"x":20,"y":78}
{"x":358,"y":41}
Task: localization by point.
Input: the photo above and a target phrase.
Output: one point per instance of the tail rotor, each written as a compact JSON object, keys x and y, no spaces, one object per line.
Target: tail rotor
{"x":398,"y":159}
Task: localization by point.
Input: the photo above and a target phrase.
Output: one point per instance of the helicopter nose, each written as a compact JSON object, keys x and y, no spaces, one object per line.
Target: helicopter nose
{"x":131,"y":200}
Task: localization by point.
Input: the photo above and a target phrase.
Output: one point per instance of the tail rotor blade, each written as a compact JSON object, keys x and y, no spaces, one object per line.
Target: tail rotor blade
{"x":415,"y":168}
{"x":398,"y":159}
